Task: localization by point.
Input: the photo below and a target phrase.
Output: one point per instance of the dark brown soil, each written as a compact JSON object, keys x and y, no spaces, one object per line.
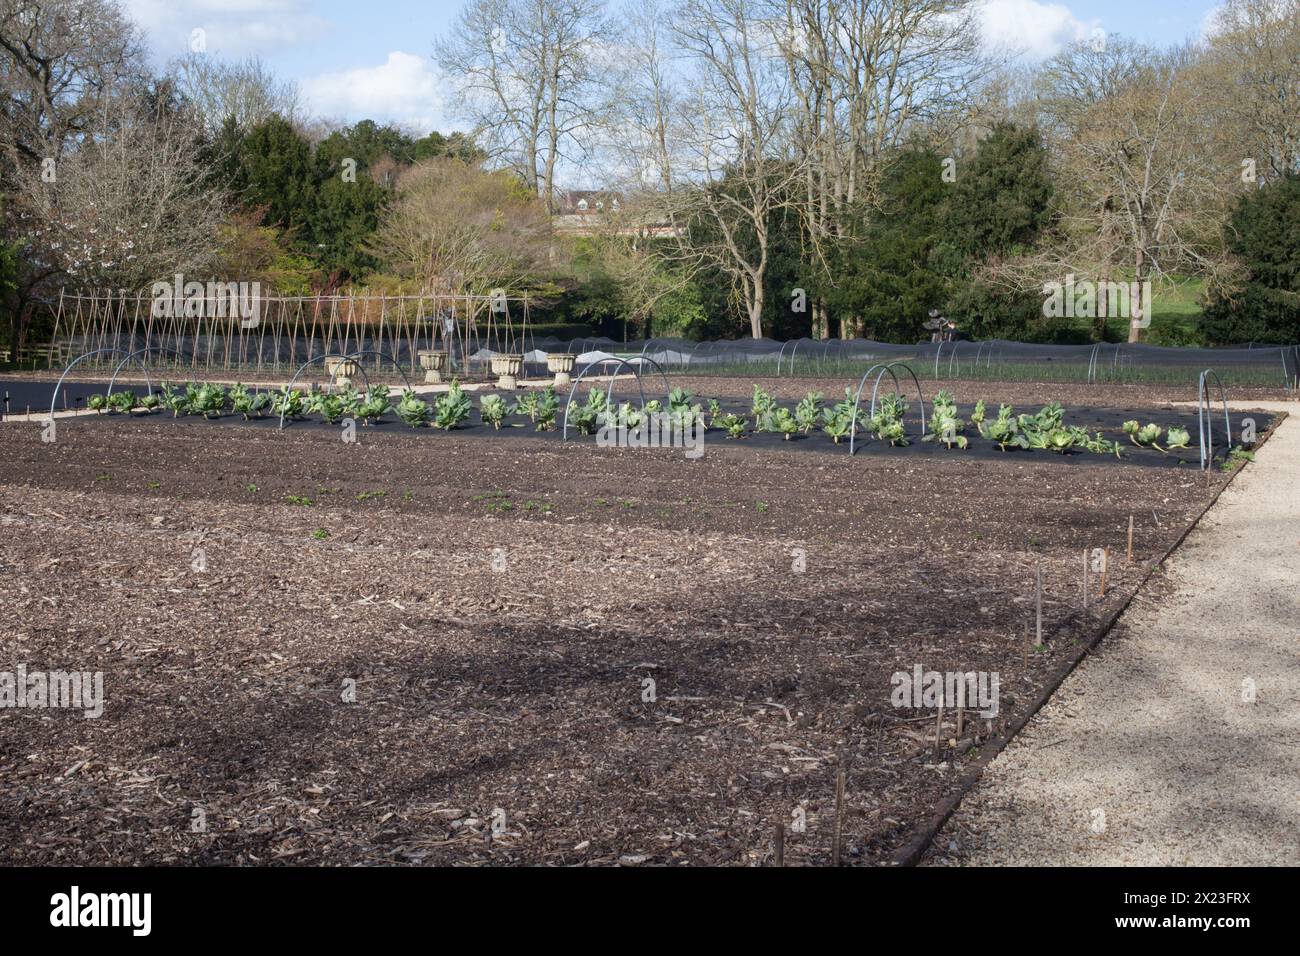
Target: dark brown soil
{"x":518,"y":690}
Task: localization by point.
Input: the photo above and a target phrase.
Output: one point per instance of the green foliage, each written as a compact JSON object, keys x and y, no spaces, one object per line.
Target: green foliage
{"x":836,"y":423}
{"x":1101,"y":445}
{"x":493,"y":410}
{"x":589,"y":415}
{"x":890,"y":279}
{"x":351,"y":398}
{"x":887,"y":423}
{"x":808,"y":411}
{"x":1001,"y":200}
{"x":208,"y":400}
{"x":451,"y":408}
{"x":733,"y":425}
{"x":526,"y":404}
{"x":715,"y":413}
{"x":1005,"y":431}
{"x":1144,"y":436}
{"x":945,"y":425}
{"x":174,"y":398}
{"x":762,"y":408}
{"x":376,"y":405}
{"x":1046,"y":430}
{"x":624,"y":416}
{"x":241,"y":400}
{"x":97,"y":402}
{"x":678,"y":399}
{"x":1264,"y":305}
{"x":985,"y":310}
{"x":547,"y":405}
{"x":271,"y":167}
{"x":123,"y":402}
{"x":412,"y":409}
{"x":330,"y":407}
{"x":785,"y":422}
{"x":288,"y":402}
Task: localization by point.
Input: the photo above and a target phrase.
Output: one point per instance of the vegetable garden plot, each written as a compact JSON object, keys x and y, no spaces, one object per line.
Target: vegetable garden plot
{"x":1146,"y":436}
{"x":522,"y":689}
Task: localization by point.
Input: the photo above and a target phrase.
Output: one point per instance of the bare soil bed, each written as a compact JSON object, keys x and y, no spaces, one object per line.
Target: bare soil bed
{"x":499,"y":608}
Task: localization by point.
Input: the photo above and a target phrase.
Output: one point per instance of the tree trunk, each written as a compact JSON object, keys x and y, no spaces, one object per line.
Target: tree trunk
{"x":1139,"y":275}
{"x":1103,"y":309}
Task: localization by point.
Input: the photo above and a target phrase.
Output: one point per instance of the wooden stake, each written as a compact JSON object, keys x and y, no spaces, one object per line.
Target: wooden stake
{"x":778,"y":845}
{"x":839,"y":813}
{"x":1130,"y":539}
{"x":1038,"y":604}
{"x":1025,"y":648}
{"x":938,"y":730}
{"x":1085,"y":579}
{"x":1105,"y":568}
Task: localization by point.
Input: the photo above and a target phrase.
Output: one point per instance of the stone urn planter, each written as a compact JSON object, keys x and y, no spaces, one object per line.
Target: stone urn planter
{"x":560,"y":364}
{"x":433,"y":361}
{"x":507,"y":369}
{"x":341,"y":370}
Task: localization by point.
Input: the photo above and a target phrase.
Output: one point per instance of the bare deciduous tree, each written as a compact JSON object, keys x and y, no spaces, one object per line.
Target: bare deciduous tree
{"x":529,"y":81}
{"x":868,"y":75}
{"x":245,"y":91}
{"x":1127,"y":128}
{"x":1253,"y":60}
{"x":131,"y":205}
{"x":736,"y":152}
{"x":59,"y":59}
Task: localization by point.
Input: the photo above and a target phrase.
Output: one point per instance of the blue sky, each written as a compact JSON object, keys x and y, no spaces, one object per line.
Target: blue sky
{"x":355,"y":59}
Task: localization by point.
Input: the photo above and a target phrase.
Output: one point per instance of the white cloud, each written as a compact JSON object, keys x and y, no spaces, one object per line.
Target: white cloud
{"x":405,"y":89}
{"x":232,"y":28}
{"x":1032,"y":29}
{"x":1210,"y":22}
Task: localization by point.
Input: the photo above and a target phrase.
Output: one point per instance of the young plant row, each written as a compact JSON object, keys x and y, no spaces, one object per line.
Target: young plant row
{"x":214,"y":401}
{"x":1046,"y":429}
{"x":447,"y":411}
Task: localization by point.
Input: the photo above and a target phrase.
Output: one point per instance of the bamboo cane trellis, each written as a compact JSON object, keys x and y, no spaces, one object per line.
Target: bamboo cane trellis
{"x":291,"y":330}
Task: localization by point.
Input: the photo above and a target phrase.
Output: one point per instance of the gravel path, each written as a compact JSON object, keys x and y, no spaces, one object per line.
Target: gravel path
{"x":1151,"y":752}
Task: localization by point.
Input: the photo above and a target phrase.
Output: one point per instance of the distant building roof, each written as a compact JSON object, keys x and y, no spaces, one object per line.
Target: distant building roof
{"x":583,"y":202}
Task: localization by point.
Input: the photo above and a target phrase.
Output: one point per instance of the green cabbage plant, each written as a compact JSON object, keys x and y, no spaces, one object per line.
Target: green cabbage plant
{"x":887,"y":423}
{"x":288,"y":402}
{"x":785,"y":422}
{"x":492,"y":409}
{"x":1005,"y":430}
{"x":808,"y":411}
{"x":763,"y":408}
{"x":451,"y":408}
{"x":945,"y":425}
{"x":412,"y":409}
{"x":376,"y":405}
{"x":1177,"y":437}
